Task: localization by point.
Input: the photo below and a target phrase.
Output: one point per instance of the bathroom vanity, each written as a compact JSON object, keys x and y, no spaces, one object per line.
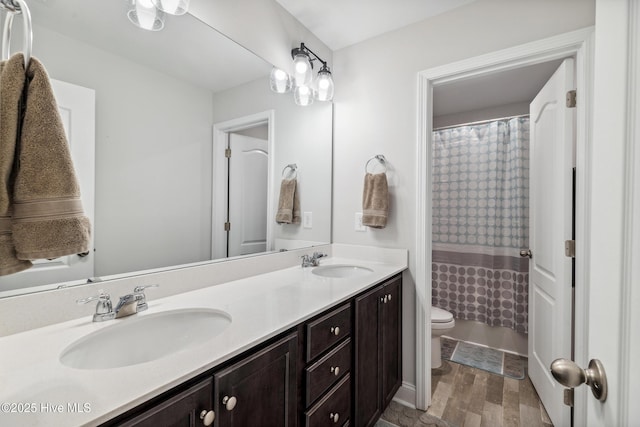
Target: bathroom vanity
{"x":341,"y":367}
{"x":293,"y":346}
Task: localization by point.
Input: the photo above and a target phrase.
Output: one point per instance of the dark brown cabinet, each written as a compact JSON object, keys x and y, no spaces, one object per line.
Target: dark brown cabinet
{"x":377,"y":338}
{"x":188,"y":408}
{"x":327,"y":376}
{"x":259,"y":390}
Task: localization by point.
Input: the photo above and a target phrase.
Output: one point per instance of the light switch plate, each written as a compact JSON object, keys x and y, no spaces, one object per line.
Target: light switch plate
{"x":307,"y":220}
{"x":358,"y":222}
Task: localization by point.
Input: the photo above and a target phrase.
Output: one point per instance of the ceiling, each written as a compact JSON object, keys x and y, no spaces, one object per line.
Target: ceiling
{"x":515,"y":86}
{"x":186,"y":48}
{"x":341,"y":23}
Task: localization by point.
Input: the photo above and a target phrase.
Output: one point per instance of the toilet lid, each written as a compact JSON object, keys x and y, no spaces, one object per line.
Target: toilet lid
{"x":439,"y":315}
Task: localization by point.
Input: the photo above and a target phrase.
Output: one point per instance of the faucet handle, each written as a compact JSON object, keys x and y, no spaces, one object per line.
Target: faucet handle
{"x":142,"y":302}
{"x":141,"y":288}
{"x":104,"y":307}
{"x":317,"y":255}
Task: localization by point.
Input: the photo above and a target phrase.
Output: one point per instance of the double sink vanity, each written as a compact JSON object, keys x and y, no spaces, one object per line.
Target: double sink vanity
{"x":296,"y":346}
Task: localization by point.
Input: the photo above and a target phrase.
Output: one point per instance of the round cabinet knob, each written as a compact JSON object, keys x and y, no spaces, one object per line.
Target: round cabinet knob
{"x":334,"y":417}
{"x":335,"y":330}
{"x":335,"y":370}
{"x":207,"y":417}
{"x":229,"y":402}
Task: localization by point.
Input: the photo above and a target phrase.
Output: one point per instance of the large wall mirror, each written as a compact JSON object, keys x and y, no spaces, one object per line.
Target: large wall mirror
{"x":168,"y":104}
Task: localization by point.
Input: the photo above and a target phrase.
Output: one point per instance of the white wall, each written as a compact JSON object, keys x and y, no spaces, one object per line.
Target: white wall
{"x":153,"y":157}
{"x":303,"y":135}
{"x":376,"y":107}
{"x":491,"y":113}
{"x":261,"y":26}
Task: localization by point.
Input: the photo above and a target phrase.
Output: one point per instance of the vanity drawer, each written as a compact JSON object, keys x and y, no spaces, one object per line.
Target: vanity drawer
{"x":327,"y":371}
{"x":326,"y":331}
{"x":333,"y":409}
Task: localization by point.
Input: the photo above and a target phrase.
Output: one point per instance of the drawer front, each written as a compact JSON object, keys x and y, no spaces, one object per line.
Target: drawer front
{"x":327,"y":371}
{"x":326,"y":331}
{"x":333,"y":409}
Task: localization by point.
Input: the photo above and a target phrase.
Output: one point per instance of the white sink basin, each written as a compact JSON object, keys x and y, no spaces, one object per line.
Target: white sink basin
{"x":135,"y":340}
{"x":341,"y":271}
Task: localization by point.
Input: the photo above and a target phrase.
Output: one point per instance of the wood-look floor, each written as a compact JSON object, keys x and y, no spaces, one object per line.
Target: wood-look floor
{"x":469,"y":397}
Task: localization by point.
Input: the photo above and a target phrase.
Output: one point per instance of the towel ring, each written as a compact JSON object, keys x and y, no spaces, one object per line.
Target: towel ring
{"x":294,"y":170}
{"x":380,"y":158}
{"x":16,"y":7}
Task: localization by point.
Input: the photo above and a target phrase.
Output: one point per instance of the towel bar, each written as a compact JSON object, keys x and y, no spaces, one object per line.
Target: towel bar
{"x":15,"y":7}
{"x":380,"y":158}
{"x":294,"y":170}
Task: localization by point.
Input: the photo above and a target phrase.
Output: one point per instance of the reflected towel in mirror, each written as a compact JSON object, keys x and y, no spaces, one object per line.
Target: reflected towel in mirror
{"x":288,"y":203}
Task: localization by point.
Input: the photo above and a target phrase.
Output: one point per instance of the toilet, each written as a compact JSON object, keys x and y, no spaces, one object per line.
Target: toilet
{"x":441,"y":322}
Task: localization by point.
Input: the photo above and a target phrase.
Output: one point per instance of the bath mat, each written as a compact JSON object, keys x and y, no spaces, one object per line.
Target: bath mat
{"x":488,"y":359}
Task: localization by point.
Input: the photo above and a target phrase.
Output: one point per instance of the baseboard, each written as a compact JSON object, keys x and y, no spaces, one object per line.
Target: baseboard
{"x":406,"y":395}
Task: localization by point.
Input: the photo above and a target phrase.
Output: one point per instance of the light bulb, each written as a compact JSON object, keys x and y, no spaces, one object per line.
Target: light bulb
{"x":144,"y":14}
{"x":302,"y":70}
{"x":303,"y":95}
{"x":172,"y":7}
{"x":325,"y":85}
{"x":279,"y":81}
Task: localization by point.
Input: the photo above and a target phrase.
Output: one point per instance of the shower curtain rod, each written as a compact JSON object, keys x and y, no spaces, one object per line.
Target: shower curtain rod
{"x":480,"y":122}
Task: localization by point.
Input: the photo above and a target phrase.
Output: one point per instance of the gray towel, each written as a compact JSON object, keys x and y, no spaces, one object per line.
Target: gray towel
{"x":12,"y":79}
{"x":288,"y":203}
{"x":48,"y":220}
{"x":375,"y":200}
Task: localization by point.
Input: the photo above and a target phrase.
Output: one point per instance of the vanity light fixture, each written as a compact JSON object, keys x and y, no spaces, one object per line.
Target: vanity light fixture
{"x":145,"y":15}
{"x":305,"y":88}
{"x":172,"y":7}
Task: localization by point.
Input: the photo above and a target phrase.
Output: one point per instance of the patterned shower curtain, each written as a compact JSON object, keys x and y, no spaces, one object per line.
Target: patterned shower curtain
{"x":481,"y":222}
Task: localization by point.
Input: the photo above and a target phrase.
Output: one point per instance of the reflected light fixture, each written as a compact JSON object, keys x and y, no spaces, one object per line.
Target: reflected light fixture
{"x":305,"y":88}
{"x":145,"y":15}
{"x":279,"y":80}
{"x":172,"y":7}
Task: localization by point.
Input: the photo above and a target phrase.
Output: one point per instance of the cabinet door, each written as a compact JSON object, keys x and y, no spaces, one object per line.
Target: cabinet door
{"x":260,"y":390}
{"x":367,"y":344}
{"x":184,"y":409}
{"x":391,"y":328}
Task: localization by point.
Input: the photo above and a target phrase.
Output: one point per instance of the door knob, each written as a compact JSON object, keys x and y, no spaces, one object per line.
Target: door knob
{"x":570,"y":375}
{"x":526,"y":253}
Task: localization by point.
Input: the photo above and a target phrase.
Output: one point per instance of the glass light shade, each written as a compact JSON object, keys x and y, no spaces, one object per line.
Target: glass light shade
{"x":279,"y":81}
{"x":302,"y":74}
{"x":303,"y":95}
{"x":145,"y":15}
{"x":172,"y":7}
{"x":324,"y":86}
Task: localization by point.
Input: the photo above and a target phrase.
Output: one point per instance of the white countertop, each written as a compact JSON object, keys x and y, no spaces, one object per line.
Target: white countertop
{"x":33,"y":379}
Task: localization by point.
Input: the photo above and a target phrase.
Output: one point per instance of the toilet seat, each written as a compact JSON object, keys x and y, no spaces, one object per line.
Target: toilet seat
{"x":439,"y":315}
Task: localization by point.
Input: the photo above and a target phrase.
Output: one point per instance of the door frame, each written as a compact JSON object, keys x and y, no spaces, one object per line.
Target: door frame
{"x":578,"y":44}
{"x":220,"y":174}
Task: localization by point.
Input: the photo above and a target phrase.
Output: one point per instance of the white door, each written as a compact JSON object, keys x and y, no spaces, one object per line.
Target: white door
{"x":551,"y":191}
{"x":248,"y":179}
{"x":76,"y":105}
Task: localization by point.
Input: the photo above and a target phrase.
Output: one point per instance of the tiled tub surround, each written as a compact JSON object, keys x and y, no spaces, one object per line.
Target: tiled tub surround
{"x":261,"y":307}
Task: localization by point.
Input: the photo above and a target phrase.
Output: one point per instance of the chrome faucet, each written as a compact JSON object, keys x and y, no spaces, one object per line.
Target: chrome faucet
{"x":127,"y":305}
{"x":312,"y":260}
{"x":133,"y":303}
{"x":104,"y":309}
